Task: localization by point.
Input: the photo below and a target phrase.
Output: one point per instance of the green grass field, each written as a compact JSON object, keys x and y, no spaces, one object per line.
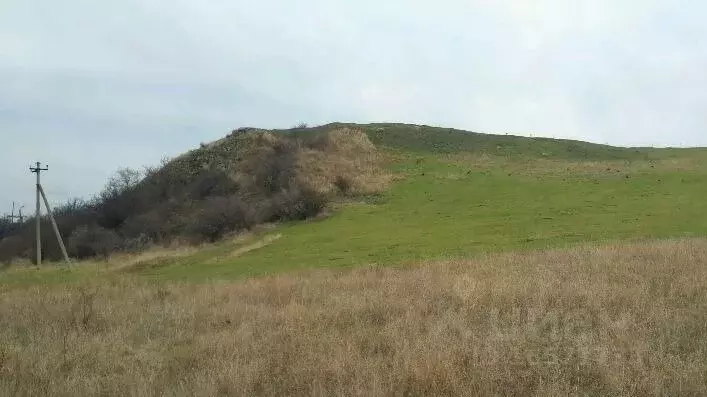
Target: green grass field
{"x":458,"y":195}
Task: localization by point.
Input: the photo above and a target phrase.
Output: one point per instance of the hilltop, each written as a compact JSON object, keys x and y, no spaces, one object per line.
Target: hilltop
{"x":429,"y":139}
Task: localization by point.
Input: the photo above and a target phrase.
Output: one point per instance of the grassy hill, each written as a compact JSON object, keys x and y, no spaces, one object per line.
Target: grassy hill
{"x":461,"y":204}
{"x":460,"y":194}
{"x":444,"y":263}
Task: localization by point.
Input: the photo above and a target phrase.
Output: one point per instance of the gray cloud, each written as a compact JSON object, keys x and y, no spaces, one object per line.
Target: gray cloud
{"x":91,"y":86}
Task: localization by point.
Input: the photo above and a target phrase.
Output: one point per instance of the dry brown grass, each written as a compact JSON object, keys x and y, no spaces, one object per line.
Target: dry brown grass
{"x":116,"y":262}
{"x":346,"y":160}
{"x":335,"y":162}
{"x":134,"y":261}
{"x":616,"y":320}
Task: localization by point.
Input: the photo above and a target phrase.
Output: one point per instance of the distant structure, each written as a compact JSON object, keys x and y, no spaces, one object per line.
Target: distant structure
{"x":12,"y":218}
{"x":19,"y":217}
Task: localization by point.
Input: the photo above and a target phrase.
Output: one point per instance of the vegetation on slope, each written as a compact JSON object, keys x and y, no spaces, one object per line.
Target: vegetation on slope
{"x":461,"y":206}
{"x":234,"y":184}
{"x":446,"y":203}
{"x":615,"y":320}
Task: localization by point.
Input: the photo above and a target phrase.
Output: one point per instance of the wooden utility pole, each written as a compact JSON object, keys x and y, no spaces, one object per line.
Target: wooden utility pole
{"x":40,"y":192}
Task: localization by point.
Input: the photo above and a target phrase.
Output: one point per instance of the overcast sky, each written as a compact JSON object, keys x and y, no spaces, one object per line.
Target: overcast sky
{"x":89,"y":86}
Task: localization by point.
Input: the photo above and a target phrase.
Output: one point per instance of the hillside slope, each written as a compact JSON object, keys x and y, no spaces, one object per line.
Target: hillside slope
{"x":232,"y":185}
{"x":458,"y":194}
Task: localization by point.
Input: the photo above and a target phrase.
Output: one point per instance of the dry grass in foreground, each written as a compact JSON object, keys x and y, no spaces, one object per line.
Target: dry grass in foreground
{"x":617,"y":320}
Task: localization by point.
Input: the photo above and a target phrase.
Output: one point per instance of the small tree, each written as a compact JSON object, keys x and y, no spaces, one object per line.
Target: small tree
{"x":117,"y":201}
{"x":123,"y":180}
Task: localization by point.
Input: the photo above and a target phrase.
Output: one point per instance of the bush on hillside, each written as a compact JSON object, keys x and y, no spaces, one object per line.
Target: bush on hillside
{"x":91,"y":241}
{"x":12,"y":247}
{"x":229,"y":185}
{"x":267,"y":165}
{"x":220,"y":216}
{"x":6,"y":228}
{"x":149,"y":225}
{"x":211,"y":183}
{"x":136,"y":244}
{"x":297,"y":203}
{"x":123,"y":180}
{"x":343,"y":184}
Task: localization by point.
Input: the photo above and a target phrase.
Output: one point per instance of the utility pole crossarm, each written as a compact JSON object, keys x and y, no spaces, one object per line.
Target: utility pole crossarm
{"x":38,"y":168}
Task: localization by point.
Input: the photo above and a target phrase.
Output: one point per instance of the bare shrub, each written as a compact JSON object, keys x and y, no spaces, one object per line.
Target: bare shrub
{"x":6,"y":227}
{"x":343,"y":184}
{"x":221,"y":215}
{"x":137,"y":243}
{"x":267,"y":164}
{"x":162,"y":223}
{"x":122,"y":181}
{"x":12,"y":247}
{"x":297,"y":203}
{"x":231,"y":184}
{"x":151,"y":225}
{"x":90,"y":241}
{"x":210,"y":183}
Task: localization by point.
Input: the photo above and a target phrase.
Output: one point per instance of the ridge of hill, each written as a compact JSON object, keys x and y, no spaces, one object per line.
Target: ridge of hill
{"x":425,"y":138}
{"x":440,"y":140}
